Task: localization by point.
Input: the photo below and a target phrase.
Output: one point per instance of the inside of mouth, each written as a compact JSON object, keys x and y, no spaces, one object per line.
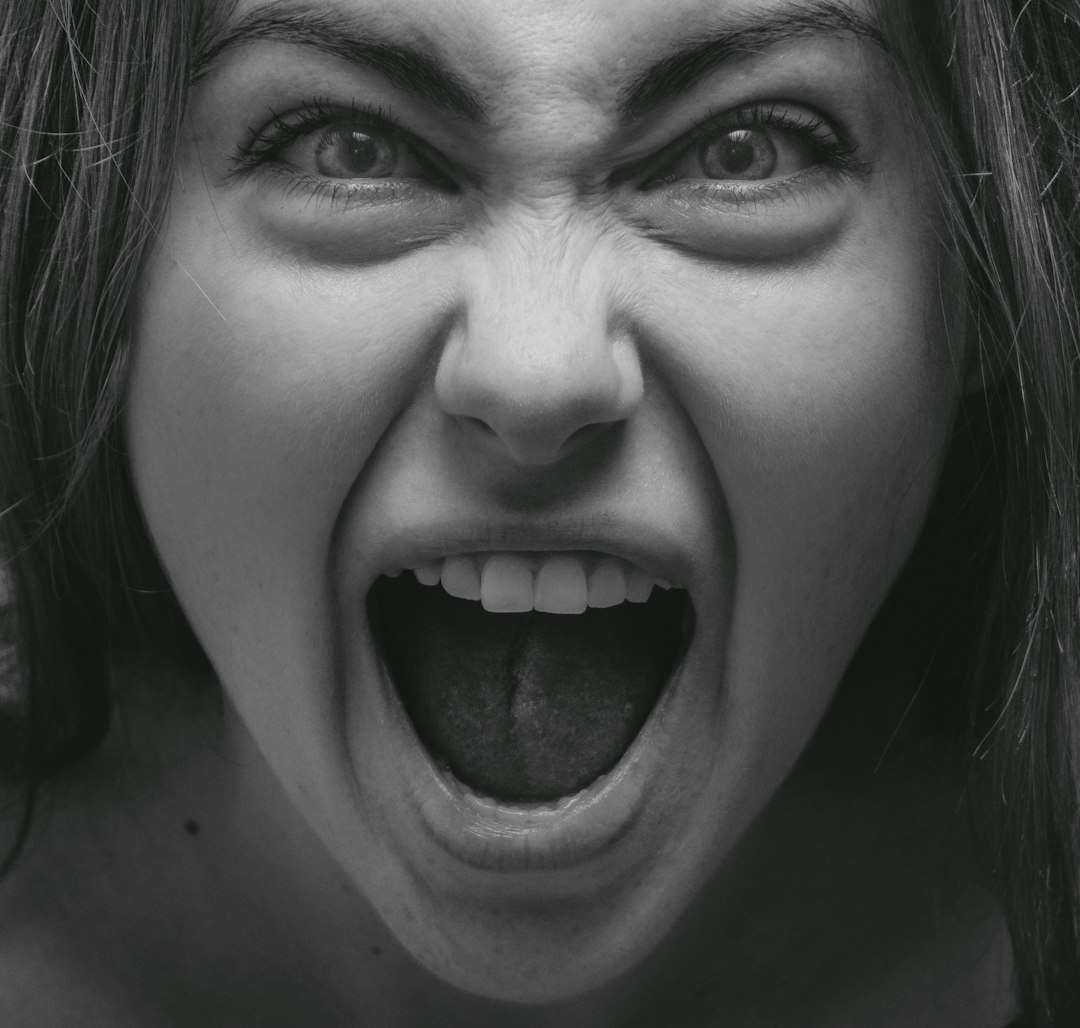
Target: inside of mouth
{"x":526,"y":707}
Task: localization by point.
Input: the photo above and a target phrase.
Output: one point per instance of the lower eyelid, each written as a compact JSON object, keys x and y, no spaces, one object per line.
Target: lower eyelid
{"x":302,"y":180}
{"x":720,"y":222}
{"x":783,"y":187}
{"x":732,"y":185}
{"x":702,"y":198}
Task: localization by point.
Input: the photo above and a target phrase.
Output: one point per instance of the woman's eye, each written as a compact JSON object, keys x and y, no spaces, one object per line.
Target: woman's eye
{"x":346,"y":150}
{"x":744,"y":154}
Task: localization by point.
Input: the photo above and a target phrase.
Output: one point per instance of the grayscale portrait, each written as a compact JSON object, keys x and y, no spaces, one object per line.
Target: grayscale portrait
{"x":540,"y":513}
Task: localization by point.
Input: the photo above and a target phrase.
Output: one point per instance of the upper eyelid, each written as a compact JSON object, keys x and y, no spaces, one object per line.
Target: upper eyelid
{"x":744,"y":115}
{"x":748,"y":115}
{"x":281,"y":130}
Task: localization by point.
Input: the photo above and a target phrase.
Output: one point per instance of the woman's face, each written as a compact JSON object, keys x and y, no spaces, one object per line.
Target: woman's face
{"x":510,"y":291}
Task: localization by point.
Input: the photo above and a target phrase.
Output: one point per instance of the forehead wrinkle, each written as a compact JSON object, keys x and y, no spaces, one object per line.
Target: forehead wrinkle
{"x":536,"y":57}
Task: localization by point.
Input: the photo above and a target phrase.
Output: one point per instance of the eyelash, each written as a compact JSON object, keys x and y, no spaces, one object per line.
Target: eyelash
{"x":282,"y":130}
{"x":835,"y":151}
{"x":265,"y":145}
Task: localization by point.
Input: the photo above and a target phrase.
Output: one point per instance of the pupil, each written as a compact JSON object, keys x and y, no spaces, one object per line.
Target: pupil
{"x":737,"y":154}
{"x":360,"y":152}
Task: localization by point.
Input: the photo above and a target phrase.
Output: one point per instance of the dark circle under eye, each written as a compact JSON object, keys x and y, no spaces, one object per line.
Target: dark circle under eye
{"x":739,"y":154}
{"x":352,"y":153}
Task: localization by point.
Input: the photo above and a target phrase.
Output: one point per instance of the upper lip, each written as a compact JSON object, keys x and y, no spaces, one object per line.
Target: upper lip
{"x":657,"y":551}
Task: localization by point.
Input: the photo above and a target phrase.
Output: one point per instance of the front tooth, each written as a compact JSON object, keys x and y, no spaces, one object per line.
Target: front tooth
{"x":429,"y":574}
{"x":607,"y":584}
{"x":638,"y":585}
{"x":460,"y":578}
{"x":560,"y":586}
{"x":506,"y":585}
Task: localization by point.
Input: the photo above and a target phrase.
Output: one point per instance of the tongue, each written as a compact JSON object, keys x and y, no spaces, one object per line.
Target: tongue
{"x":527,"y":707}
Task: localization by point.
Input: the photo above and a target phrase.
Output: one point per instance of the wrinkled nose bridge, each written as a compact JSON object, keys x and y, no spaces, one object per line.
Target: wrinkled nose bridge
{"x":541,"y":348}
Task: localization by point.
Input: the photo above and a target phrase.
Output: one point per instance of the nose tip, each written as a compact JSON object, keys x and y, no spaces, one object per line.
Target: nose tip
{"x":541,"y":354}
{"x":537,"y":395}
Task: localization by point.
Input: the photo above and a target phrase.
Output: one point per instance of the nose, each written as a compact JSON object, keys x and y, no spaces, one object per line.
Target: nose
{"x":542,"y":349}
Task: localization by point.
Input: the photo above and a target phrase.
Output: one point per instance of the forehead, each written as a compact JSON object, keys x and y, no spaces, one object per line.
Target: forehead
{"x":609,"y":52}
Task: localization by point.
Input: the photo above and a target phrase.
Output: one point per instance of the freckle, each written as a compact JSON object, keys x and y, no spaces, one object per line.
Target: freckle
{"x":191,"y":826}
{"x":376,"y":951}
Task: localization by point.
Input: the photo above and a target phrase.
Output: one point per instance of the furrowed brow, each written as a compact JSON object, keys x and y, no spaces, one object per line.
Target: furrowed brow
{"x":413,"y":69}
{"x":677,"y":73}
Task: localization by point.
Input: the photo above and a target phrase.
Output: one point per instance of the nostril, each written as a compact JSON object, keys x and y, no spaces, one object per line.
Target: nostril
{"x":479,"y":425}
{"x":588,"y":434}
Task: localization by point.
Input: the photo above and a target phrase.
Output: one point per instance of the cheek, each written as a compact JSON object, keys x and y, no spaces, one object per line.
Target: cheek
{"x":824,"y":399}
{"x":251,"y":413}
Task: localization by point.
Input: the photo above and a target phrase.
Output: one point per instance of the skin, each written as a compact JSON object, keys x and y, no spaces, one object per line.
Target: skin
{"x":551,"y":346}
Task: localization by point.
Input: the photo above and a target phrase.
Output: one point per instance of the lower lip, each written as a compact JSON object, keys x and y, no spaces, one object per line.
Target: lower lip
{"x":489,"y":835}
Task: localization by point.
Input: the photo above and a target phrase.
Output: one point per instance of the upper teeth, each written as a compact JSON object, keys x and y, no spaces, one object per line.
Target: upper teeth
{"x":556,"y":583}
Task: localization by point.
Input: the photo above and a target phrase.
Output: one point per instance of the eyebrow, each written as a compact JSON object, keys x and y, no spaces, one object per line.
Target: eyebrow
{"x":413,"y":68}
{"x":679,"y":71}
{"x":418,"y":70}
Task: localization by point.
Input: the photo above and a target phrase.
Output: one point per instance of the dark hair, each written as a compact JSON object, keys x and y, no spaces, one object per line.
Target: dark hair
{"x":1009,"y":76}
{"x":89,"y":116}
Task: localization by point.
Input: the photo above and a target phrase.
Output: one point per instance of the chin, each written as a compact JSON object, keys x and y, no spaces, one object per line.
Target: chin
{"x":532,"y":850}
{"x":535,"y":954}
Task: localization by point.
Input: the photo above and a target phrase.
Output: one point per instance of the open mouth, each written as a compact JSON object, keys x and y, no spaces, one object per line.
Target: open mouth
{"x":528,"y":676}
